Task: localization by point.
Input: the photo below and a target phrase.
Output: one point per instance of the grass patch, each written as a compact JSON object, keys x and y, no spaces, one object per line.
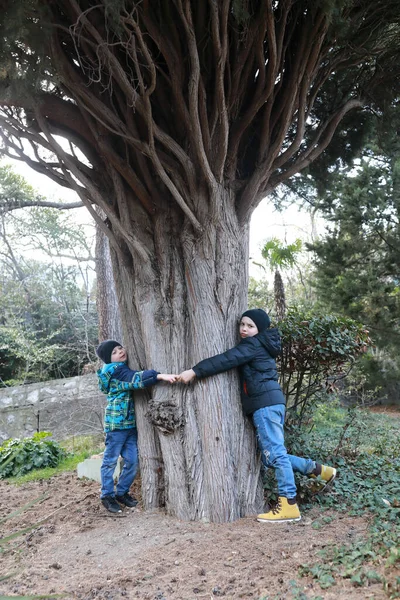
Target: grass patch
{"x":92,"y":444}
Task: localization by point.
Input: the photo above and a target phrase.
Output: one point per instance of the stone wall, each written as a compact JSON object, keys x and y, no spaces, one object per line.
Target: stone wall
{"x":65,"y":407}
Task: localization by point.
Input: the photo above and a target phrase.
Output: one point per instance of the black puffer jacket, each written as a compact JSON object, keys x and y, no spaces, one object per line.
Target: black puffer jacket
{"x":255,"y":357}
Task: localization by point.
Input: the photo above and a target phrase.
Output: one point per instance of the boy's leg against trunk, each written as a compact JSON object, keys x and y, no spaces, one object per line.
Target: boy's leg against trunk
{"x":129,"y":453}
{"x":269,"y":422}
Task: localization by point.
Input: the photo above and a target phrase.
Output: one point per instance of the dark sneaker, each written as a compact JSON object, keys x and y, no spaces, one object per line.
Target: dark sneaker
{"x":110,"y":503}
{"x":127,"y":500}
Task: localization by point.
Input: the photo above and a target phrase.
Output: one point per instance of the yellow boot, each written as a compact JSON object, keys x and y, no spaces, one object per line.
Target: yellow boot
{"x":285,"y":511}
{"x":326,"y":476}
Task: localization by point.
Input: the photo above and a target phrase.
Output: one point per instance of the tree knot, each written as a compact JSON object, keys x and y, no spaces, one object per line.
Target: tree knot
{"x":166,"y":416}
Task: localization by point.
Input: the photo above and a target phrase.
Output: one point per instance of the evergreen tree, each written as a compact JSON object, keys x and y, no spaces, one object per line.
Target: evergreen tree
{"x":358,"y":261}
{"x":181,"y":116}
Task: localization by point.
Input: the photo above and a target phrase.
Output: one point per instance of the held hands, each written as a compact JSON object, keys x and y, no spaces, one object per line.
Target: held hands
{"x":169,"y":378}
{"x":186,"y":376}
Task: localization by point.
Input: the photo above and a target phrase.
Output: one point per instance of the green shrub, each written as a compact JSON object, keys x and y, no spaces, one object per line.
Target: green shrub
{"x":19,"y":456}
{"x":317,"y":350}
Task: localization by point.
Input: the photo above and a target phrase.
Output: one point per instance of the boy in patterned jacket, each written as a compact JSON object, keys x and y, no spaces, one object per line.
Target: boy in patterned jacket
{"x":117,"y":380}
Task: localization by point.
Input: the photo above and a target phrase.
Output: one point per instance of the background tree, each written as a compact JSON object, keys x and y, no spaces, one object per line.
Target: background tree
{"x":181,"y":116}
{"x":48,"y":323}
{"x":357,"y":268}
{"x":260,"y":295}
{"x":357,"y":263}
{"x":16,"y":193}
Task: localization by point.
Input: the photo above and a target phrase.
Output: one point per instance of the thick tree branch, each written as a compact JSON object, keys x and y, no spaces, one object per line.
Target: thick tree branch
{"x":304,"y":107}
{"x":7,"y":205}
{"x":193,"y":90}
{"x":316,"y":147}
{"x":219,"y":112}
{"x":252,"y":196}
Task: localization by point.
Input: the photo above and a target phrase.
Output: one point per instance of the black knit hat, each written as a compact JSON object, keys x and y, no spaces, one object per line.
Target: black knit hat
{"x":259,"y":316}
{"x":105,"y":349}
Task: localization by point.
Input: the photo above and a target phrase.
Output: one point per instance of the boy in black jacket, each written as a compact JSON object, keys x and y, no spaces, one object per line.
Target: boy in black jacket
{"x":263,"y":400}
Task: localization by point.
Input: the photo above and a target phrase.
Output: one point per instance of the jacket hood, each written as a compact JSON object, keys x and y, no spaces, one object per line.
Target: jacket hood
{"x":271,"y":340}
{"x":104,"y":375}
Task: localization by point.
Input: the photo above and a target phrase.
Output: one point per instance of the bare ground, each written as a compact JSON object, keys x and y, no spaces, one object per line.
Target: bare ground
{"x":77,"y":549}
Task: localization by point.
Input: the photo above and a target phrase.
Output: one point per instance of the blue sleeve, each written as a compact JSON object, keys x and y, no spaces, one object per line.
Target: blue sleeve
{"x":138,"y":379}
{"x":235,"y":357}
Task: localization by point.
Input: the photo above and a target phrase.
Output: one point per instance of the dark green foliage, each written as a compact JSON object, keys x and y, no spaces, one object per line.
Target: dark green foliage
{"x":378,"y":373}
{"x":24,"y":38}
{"x":317,"y":350}
{"x":357,"y":261}
{"x":357,"y":269}
{"x":19,"y":456}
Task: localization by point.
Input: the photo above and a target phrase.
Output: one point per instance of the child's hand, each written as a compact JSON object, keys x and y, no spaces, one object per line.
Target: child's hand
{"x":167,"y":377}
{"x":186,"y":376}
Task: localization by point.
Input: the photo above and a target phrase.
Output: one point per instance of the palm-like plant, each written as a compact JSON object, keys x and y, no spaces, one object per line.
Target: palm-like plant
{"x":280,"y":256}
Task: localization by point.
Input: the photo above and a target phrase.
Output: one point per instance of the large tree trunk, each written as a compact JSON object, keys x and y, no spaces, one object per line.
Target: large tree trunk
{"x":194,"y":441}
{"x":106,"y":297}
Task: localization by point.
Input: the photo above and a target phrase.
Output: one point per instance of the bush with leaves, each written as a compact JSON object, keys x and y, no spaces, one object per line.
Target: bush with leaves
{"x":19,"y":456}
{"x":317,"y":351}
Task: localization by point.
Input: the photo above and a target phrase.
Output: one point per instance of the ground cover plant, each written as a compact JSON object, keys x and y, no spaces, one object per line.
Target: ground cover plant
{"x":19,"y":456}
{"x":365,"y":447}
{"x":35,"y":458}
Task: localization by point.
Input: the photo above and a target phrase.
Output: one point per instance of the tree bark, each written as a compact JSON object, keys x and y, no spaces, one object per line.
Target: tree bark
{"x":280,"y":296}
{"x":106,"y":296}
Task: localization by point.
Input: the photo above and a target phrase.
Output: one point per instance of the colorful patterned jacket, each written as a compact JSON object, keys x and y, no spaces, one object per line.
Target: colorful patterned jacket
{"x":117,"y":381}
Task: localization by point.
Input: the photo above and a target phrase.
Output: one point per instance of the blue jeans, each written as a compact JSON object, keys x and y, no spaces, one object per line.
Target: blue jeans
{"x":269,"y":422}
{"x":120,"y":442}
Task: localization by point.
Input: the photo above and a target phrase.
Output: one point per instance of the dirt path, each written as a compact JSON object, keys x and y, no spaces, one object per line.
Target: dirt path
{"x":81,"y":551}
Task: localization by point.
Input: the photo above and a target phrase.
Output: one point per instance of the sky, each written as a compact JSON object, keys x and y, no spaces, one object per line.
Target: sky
{"x":266,"y":221}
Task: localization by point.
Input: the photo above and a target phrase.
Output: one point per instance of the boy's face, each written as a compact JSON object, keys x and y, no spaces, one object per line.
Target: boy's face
{"x":118,"y":354}
{"x":247,"y":328}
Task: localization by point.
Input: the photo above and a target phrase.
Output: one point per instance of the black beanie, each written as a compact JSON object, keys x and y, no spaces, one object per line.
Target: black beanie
{"x":105,"y":348}
{"x":260,"y":318}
